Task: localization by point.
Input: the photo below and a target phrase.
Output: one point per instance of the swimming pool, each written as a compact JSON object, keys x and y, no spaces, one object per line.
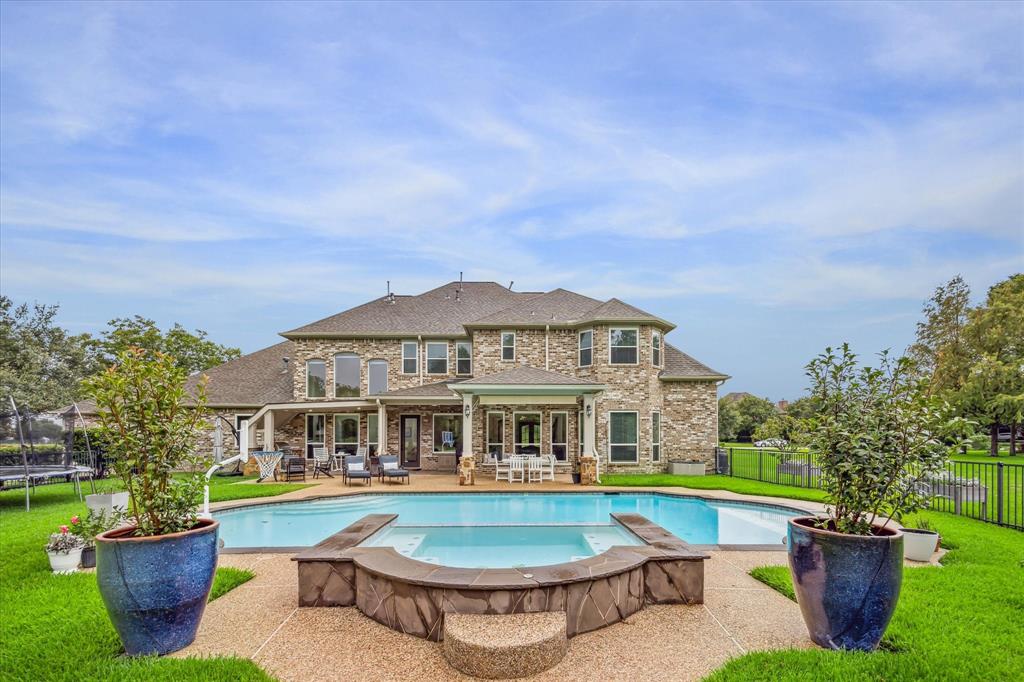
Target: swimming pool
{"x":500,"y":546}
{"x":695,"y":520}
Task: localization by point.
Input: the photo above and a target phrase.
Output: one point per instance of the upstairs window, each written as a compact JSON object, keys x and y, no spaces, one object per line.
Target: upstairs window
{"x":316,"y":379}
{"x":410,"y":356}
{"x":464,"y":357}
{"x":622,"y":346}
{"x":437,"y":358}
{"x":587,"y":348}
{"x":508,"y":345}
{"x":656,"y":349}
{"x":377,"y":377}
{"x":346,"y":375}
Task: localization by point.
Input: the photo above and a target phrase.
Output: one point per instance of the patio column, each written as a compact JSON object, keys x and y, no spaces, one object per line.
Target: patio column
{"x":589,"y":425}
{"x":250,"y":436}
{"x":268,"y":430}
{"x":467,"y":424}
{"x":382,"y":429}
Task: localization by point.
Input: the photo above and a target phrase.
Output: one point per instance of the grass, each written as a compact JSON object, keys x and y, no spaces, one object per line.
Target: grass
{"x":961,"y":621}
{"x":56,"y":627}
{"x":224,"y":488}
{"x":714,"y":482}
{"x":227,"y":579}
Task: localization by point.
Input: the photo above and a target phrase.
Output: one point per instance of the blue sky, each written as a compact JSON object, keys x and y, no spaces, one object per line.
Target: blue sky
{"x":772,"y":177}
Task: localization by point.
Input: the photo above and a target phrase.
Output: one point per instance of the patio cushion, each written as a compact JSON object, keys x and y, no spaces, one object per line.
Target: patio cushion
{"x":389,"y":465}
{"x":356,"y":466}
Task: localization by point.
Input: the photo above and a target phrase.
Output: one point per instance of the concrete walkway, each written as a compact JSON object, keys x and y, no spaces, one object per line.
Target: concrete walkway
{"x":260,"y":619}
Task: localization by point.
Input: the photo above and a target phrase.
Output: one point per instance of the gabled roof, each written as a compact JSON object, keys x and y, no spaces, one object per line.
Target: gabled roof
{"x":443,"y":311}
{"x":681,"y":367}
{"x":527,"y":376}
{"x":254,"y":379}
{"x":614,"y":310}
{"x":559,"y":306}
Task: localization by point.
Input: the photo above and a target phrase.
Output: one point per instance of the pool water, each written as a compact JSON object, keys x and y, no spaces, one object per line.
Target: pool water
{"x":695,"y":520}
{"x":500,"y":546}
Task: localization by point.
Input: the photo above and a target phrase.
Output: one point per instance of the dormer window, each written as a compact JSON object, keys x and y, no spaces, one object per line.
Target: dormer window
{"x":622,"y":345}
{"x":508,"y":346}
{"x":656,"y":348}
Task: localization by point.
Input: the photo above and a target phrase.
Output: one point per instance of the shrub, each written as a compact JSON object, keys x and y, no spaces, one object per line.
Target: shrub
{"x":879,"y":433}
{"x":150,"y":431}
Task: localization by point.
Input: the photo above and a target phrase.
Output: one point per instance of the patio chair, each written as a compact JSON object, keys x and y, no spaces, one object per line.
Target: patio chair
{"x":534,"y":469}
{"x":547,"y":468}
{"x":354,"y":468}
{"x":500,"y":466}
{"x":516,"y":469}
{"x":390,"y":470}
{"x":294,"y":467}
{"x":321,"y":462}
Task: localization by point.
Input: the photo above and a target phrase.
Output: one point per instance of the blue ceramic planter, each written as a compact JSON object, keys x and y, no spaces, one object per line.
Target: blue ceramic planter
{"x":155,"y":588}
{"x":847,"y":585}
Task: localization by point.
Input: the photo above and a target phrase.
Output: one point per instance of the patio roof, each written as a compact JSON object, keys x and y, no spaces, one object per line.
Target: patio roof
{"x":526,"y":380}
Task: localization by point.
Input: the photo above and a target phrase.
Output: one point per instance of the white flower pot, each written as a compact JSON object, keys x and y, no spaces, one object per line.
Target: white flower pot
{"x":107,"y":502}
{"x":686,"y":468}
{"x":919,"y":545}
{"x":65,"y":563}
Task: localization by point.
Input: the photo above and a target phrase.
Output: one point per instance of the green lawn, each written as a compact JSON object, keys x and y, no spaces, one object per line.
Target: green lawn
{"x":713,"y":482}
{"x":56,"y":628}
{"x":958,"y":622}
{"x":952,"y":623}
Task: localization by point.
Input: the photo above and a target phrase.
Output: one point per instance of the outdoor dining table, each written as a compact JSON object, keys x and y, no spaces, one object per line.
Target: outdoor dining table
{"x":267,"y":462}
{"x":531,"y":462}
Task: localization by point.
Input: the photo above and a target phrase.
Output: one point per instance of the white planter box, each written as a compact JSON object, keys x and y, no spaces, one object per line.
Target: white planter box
{"x":686,"y":468}
{"x":107,"y":502}
{"x":65,"y":563}
{"x":919,"y":545}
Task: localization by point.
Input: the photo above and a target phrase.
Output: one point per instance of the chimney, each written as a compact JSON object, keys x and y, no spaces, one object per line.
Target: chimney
{"x":511,"y":282}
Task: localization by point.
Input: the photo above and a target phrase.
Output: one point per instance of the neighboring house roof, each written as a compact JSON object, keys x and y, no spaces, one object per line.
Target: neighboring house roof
{"x":681,"y":367}
{"x":84,"y":406}
{"x":736,"y":396}
{"x":443,"y":311}
{"x":527,"y":376}
{"x":254,"y":379}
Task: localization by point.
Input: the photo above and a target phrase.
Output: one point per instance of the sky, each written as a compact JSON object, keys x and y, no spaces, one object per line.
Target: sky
{"x":773,"y":178}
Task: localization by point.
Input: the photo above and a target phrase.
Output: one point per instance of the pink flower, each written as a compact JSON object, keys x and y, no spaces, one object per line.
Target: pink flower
{"x":75,"y":520}
{"x":63,"y":530}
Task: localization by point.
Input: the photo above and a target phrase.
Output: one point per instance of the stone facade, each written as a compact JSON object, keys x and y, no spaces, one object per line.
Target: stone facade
{"x":688,"y":409}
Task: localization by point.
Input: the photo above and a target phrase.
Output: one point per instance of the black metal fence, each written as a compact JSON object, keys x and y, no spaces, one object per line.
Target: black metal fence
{"x":987,"y":491}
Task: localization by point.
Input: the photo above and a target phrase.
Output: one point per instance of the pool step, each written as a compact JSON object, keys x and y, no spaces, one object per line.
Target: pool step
{"x":502,"y":647}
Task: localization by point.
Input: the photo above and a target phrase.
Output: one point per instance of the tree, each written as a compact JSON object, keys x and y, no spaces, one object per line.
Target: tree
{"x":993,"y":390}
{"x":41,"y":365}
{"x":192,"y":352}
{"x":728,"y":420}
{"x":801,"y":408}
{"x":942,"y":351}
{"x":752,"y":412}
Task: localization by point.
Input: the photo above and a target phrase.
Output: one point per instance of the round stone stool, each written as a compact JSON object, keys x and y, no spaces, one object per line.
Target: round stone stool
{"x":501,"y":647}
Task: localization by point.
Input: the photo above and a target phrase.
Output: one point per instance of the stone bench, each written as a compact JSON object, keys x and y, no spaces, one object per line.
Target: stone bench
{"x":501,"y":647}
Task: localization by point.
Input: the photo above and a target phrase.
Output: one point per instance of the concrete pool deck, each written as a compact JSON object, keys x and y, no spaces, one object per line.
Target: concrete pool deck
{"x":262,"y":621}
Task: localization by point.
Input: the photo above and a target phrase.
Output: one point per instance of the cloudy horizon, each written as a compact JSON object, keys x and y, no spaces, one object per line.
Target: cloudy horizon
{"x":772,"y":178}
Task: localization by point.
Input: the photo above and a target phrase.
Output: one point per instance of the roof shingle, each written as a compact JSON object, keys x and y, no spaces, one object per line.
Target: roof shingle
{"x":529,"y":376}
{"x":679,"y":365}
{"x":254,"y":379}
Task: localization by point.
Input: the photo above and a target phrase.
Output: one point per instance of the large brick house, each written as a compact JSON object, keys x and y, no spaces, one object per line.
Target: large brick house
{"x":473,"y":368}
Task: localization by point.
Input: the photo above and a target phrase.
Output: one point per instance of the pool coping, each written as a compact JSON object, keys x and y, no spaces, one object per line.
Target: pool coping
{"x":704,"y":547}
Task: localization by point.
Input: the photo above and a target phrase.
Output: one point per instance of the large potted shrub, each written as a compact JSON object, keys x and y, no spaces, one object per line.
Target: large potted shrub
{"x":878,"y":433}
{"x":154,"y":573}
